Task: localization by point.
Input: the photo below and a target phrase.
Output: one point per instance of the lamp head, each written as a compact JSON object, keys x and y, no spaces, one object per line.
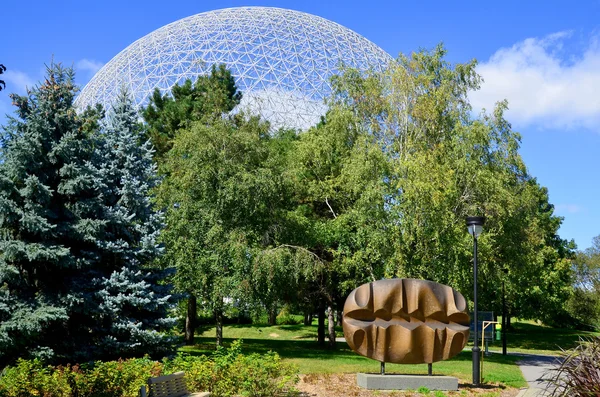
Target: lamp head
{"x":475,"y":225}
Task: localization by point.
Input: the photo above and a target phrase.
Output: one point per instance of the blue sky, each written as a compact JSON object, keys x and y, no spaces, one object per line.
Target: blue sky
{"x":544,"y":57}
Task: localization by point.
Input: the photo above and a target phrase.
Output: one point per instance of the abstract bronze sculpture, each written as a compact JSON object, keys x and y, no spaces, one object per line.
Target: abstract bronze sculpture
{"x":406,"y":321}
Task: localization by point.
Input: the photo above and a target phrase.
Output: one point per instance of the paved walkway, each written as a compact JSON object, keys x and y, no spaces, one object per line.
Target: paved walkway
{"x":534,"y":368}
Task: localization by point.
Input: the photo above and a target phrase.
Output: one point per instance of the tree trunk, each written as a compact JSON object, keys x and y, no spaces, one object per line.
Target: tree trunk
{"x":321,"y":326}
{"x":190,"y":320}
{"x":273,"y":314}
{"x":219,"y":326}
{"x":338,"y":318}
{"x":307,"y":318}
{"x":331,"y":327}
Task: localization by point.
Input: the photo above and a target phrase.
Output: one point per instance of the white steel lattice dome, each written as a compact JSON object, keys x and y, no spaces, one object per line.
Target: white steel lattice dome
{"x":281,"y":60}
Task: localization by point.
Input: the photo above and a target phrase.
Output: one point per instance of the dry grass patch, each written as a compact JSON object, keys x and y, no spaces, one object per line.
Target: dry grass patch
{"x":344,"y":385}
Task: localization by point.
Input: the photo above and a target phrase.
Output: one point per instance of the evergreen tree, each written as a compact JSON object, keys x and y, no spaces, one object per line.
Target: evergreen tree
{"x":133,"y":305}
{"x":46,"y":200}
{"x":72,"y":227}
{"x":205,"y":100}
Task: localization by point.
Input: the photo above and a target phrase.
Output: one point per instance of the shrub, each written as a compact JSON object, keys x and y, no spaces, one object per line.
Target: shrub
{"x":198,"y":370}
{"x":227,"y":372}
{"x":100,"y":379}
{"x":289,"y":320}
{"x":32,"y":378}
{"x":263,"y":375}
{"x":285,"y":317}
{"x":114,"y":378}
{"x":578,"y":373}
{"x":254,"y":375}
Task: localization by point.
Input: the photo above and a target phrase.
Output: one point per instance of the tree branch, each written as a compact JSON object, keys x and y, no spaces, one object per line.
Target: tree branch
{"x":330,"y":209}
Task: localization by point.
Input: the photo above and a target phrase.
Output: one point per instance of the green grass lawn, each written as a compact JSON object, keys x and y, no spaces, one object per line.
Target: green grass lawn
{"x":297,"y":344}
{"x":529,"y":337}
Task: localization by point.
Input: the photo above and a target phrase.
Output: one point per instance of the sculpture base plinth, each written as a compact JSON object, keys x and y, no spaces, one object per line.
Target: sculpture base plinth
{"x":406,"y":382}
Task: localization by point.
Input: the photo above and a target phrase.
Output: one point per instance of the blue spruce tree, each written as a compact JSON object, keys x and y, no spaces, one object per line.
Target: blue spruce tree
{"x":47,"y":194}
{"x":133,"y":303}
{"x":70,"y":234}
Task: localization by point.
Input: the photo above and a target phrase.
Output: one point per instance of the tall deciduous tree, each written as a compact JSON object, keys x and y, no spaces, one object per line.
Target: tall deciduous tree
{"x":584,"y":304}
{"x":447,"y":165}
{"x":219,"y":194}
{"x":205,"y":100}
{"x":340,"y":184}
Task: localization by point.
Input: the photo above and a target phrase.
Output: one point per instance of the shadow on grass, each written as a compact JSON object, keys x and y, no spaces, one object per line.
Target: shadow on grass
{"x":287,"y":327}
{"x":303,"y":349}
{"x":534,"y":337}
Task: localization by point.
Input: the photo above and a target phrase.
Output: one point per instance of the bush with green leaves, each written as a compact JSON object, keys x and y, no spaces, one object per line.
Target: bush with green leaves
{"x":97,"y":379}
{"x":253,"y":375}
{"x":227,"y":372}
{"x":112,"y":378}
{"x":578,"y":374}
{"x":32,"y":378}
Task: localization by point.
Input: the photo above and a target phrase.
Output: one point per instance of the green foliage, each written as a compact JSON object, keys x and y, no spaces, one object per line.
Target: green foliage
{"x":583,"y":308}
{"x":198,"y":370}
{"x":46,"y":223}
{"x":97,"y":379}
{"x":226,"y":373}
{"x":253,"y":375}
{"x":584,"y":304}
{"x":32,"y":378}
{"x":380,"y":188}
{"x":205,"y":100}
{"x":263,"y":375}
{"x":112,"y":378}
{"x":134,"y":301}
{"x":578,"y":372}
{"x":444,"y":164}
{"x":76,"y":231}
{"x":335,"y":226}
{"x":219,"y":195}
{"x":288,"y":319}
{"x":203,"y":256}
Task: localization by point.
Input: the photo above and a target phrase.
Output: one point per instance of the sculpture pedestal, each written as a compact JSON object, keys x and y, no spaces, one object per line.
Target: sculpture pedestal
{"x":406,"y":382}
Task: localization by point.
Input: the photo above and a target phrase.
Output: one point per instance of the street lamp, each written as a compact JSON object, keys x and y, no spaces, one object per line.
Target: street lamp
{"x":505,"y":270}
{"x":475,"y":227}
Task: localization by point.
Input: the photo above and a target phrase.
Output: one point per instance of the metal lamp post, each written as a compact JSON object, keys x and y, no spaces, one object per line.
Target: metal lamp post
{"x":505,"y":270}
{"x":475,"y":227}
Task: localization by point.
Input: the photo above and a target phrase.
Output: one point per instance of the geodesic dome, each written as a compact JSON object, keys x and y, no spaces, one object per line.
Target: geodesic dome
{"x":281,"y":60}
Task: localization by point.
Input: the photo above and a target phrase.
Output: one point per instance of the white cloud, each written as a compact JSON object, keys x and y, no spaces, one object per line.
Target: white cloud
{"x":17,"y":81}
{"x":544,"y":87}
{"x":569,"y":208}
{"x":89,"y":66}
